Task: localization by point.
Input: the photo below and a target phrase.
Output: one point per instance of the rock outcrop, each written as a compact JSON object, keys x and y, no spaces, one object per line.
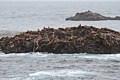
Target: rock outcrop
{"x":90,"y":16}
{"x":81,"y":39}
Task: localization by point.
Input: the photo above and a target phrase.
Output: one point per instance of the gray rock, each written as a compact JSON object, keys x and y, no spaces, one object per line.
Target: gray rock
{"x":90,"y":16}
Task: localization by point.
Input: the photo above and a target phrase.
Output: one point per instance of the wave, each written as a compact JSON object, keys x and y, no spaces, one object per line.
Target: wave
{"x":101,"y":56}
{"x":58,"y":73}
{"x":81,"y":55}
{"x":33,"y":54}
{"x":13,"y":54}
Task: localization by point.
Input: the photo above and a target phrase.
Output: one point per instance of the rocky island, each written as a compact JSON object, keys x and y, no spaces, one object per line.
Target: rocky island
{"x":81,"y":39}
{"x":90,"y":16}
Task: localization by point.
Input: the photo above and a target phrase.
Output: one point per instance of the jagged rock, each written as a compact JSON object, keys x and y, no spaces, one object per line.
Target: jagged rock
{"x":81,"y":39}
{"x":90,"y":16}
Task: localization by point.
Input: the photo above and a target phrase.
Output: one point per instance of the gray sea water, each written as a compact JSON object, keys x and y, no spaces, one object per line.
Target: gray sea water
{"x":41,"y":66}
{"x":33,"y":15}
{"x":23,"y":16}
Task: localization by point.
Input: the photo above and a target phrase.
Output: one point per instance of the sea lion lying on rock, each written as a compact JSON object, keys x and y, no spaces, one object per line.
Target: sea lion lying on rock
{"x":81,"y":39}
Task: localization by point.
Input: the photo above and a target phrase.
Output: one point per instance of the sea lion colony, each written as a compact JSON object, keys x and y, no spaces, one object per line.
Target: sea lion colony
{"x":81,"y":39}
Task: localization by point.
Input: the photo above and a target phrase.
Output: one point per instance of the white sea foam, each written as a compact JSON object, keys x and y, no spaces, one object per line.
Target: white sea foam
{"x":82,"y":55}
{"x":13,"y":54}
{"x":58,"y":73}
{"x":38,"y":54}
{"x":101,"y":56}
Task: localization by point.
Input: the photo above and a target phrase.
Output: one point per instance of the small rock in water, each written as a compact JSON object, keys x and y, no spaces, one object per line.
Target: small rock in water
{"x":90,"y":16}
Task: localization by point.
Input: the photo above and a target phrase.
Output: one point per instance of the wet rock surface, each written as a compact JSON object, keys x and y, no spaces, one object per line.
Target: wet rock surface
{"x":81,"y":39}
{"x":90,"y":16}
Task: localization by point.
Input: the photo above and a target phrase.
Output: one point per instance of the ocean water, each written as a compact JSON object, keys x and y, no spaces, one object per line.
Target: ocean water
{"x":42,"y":66}
{"x":33,"y":15}
{"x":23,"y":16}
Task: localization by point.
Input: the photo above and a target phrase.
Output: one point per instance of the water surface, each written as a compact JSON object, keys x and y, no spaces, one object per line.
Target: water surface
{"x":41,"y":66}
